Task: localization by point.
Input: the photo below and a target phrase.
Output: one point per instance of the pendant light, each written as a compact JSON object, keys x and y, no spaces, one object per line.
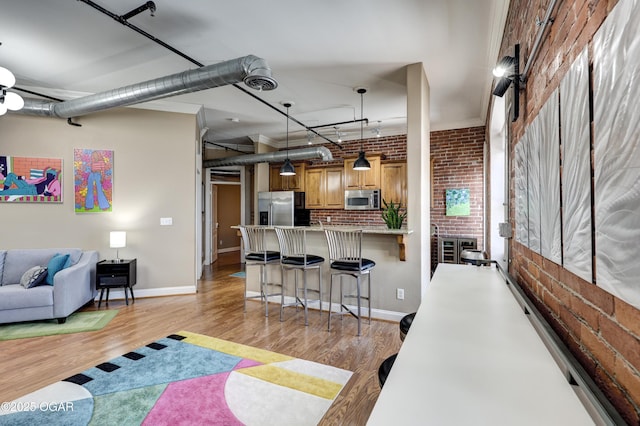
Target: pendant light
{"x":361,"y":163}
{"x":287,"y":168}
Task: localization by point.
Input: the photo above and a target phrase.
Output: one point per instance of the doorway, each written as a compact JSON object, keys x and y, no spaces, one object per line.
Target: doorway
{"x":225,"y":207}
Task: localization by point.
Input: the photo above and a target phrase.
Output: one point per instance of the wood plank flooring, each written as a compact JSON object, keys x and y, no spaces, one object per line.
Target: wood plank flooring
{"x":216,"y":310}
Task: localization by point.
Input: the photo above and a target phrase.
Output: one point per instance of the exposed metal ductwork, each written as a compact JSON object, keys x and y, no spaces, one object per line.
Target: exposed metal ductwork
{"x":321,"y":152}
{"x":252,"y":70}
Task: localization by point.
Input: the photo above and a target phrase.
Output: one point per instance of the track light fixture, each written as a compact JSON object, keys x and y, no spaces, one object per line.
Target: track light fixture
{"x":361,"y":163}
{"x":287,"y":168}
{"x":8,"y":100}
{"x":508,"y":72}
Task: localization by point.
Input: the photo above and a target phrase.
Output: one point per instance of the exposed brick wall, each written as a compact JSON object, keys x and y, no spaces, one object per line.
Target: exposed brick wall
{"x":457,"y":157}
{"x":602,"y":331}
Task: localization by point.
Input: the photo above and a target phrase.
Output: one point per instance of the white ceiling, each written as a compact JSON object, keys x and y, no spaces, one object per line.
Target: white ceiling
{"x":319,"y":51}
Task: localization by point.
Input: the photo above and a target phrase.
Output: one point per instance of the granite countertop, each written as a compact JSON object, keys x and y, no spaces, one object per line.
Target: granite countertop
{"x":365,"y":229}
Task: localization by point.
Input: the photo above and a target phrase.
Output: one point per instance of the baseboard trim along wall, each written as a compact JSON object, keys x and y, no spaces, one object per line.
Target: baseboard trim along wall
{"x":150,"y":292}
{"x":380,"y":314}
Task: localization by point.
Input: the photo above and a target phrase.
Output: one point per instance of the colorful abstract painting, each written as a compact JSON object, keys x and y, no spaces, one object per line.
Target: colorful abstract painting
{"x":93,"y":180}
{"x":458,"y":202}
{"x":30,"y":180}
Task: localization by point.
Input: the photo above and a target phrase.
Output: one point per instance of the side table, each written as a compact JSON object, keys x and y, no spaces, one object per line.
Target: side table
{"x":115,"y":274}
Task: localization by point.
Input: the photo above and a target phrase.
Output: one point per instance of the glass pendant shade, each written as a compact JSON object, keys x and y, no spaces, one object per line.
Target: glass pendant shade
{"x":361,"y":163}
{"x":13,"y":101}
{"x":7,"y":79}
{"x":287,"y":169}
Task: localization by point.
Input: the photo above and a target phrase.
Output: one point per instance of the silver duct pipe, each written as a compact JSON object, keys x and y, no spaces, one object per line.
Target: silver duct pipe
{"x":321,"y":152}
{"x":252,"y":70}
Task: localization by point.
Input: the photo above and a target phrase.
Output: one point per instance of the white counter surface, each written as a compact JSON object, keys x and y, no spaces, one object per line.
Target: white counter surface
{"x":471,"y":357}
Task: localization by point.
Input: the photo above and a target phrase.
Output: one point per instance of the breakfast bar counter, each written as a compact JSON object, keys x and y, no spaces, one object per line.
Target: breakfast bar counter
{"x":471,"y":357}
{"x":386,"y":247}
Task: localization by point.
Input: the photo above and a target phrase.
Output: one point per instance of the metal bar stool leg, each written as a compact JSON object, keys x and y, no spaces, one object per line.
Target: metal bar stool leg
{"x":330,"y":300}
{"x":359,"y":302}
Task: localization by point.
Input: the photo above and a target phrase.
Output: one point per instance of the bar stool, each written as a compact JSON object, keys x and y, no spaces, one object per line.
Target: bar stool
{"x":294,"y":256}
{"x":405,"y":324}
{"x":385,"y":369}
{"x":345,"y":253}
{"x":256,"y":253}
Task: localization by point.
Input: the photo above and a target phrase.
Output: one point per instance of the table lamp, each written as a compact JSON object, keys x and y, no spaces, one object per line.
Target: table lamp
{"x":117,"y":239}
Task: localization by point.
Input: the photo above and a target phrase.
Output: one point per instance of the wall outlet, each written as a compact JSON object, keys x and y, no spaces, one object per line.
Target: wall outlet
{"x":400,"y":293}
{"x":328,"y":219}
{"x":166,"y":221}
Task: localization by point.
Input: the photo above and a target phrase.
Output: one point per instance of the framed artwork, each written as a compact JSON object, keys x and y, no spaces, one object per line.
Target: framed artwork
{"x":458,"y":202}
{"x":93,"y":180}
{"x":30,"y":180}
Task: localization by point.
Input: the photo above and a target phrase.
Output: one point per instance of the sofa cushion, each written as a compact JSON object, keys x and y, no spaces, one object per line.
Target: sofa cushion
{"x":33,"y":277}
{"x":56,"y":264}
{"x":17,"y":297}
{"x":17,"y":261}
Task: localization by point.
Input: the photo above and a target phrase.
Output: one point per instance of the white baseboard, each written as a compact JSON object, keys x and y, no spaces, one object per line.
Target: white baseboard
{"x":150,"y":292}
{"x":375,"y":313}
{"x":229,"y":249}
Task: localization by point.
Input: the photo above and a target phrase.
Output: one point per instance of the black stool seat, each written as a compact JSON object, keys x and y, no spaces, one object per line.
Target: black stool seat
{"x":266,"y":256}
{"x":405,"y":324}
{"x":385,"y":369}
{"x":312,"y":259}
{"x":353,"y":265}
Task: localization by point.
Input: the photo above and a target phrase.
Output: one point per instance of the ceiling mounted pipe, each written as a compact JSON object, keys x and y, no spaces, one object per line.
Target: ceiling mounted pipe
{"x":252,"y":70}
{"x":321,"y":152}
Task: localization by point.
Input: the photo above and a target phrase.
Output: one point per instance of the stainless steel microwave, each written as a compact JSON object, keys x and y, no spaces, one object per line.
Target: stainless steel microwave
{"x":362,"y":199}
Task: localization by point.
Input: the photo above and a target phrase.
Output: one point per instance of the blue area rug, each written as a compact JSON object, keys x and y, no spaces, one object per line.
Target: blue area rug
{"x":240,"y":274}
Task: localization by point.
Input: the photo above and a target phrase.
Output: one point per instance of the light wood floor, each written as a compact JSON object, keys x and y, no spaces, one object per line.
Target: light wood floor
{"x":216,"y":310}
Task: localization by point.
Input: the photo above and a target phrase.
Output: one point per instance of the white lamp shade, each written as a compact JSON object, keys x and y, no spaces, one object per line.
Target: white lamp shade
{"x":13,"y":101}
{"x":7,"y":79}
{"x":117,"y":239}
{"x":3,"y":109}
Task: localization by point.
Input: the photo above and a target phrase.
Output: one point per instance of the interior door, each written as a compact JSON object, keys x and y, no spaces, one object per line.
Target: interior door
{"x":214,"y":223}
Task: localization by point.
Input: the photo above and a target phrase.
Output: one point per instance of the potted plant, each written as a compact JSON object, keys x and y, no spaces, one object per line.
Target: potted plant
{"x":391,"y":215}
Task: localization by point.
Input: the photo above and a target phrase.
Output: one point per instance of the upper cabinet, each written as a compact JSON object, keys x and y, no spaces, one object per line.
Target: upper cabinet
{"x":324,"y":188}
{"x":362,"y":179}
{"x":286,"y":183}
{"x":393,"y":177}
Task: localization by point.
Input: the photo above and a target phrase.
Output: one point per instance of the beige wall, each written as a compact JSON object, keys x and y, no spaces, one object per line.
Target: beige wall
{"x":153,"y":177}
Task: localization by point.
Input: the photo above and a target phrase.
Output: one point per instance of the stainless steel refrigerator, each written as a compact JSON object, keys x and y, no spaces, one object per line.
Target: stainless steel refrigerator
{"x":276,"y":208}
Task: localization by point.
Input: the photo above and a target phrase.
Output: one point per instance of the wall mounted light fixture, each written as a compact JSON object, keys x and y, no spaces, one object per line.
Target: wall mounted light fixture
{"x":8,"y":100}
{"x":508,"y":72}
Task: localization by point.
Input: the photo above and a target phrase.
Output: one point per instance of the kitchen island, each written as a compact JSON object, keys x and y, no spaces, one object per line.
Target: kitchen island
{"x":380,"y":244}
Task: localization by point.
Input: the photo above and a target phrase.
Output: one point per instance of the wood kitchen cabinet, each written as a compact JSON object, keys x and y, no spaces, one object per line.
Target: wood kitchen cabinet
{"x":324,"y":188}
{"x":393,"y":180}
{"x":362,"y":179}
{"x":287,"y":183}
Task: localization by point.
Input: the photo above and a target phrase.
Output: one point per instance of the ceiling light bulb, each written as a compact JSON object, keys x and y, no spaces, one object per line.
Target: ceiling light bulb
{"x":7,"y":79}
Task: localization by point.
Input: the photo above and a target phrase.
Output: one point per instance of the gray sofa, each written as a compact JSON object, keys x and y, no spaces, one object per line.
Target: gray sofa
{"x":72,"y":288}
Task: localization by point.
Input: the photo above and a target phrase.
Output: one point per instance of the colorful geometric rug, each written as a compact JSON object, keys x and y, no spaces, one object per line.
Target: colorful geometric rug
{"x":241,"y":274}
{"x":76,"y":322}
{"x":187,"y":379}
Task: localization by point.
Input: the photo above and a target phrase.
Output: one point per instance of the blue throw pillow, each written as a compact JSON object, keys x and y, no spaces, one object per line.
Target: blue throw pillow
{"x":55,"y":265}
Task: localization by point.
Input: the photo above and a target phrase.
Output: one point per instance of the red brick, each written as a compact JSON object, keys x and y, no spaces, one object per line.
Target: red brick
{"x":628,"y":317}
{"x":597,"y":348}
